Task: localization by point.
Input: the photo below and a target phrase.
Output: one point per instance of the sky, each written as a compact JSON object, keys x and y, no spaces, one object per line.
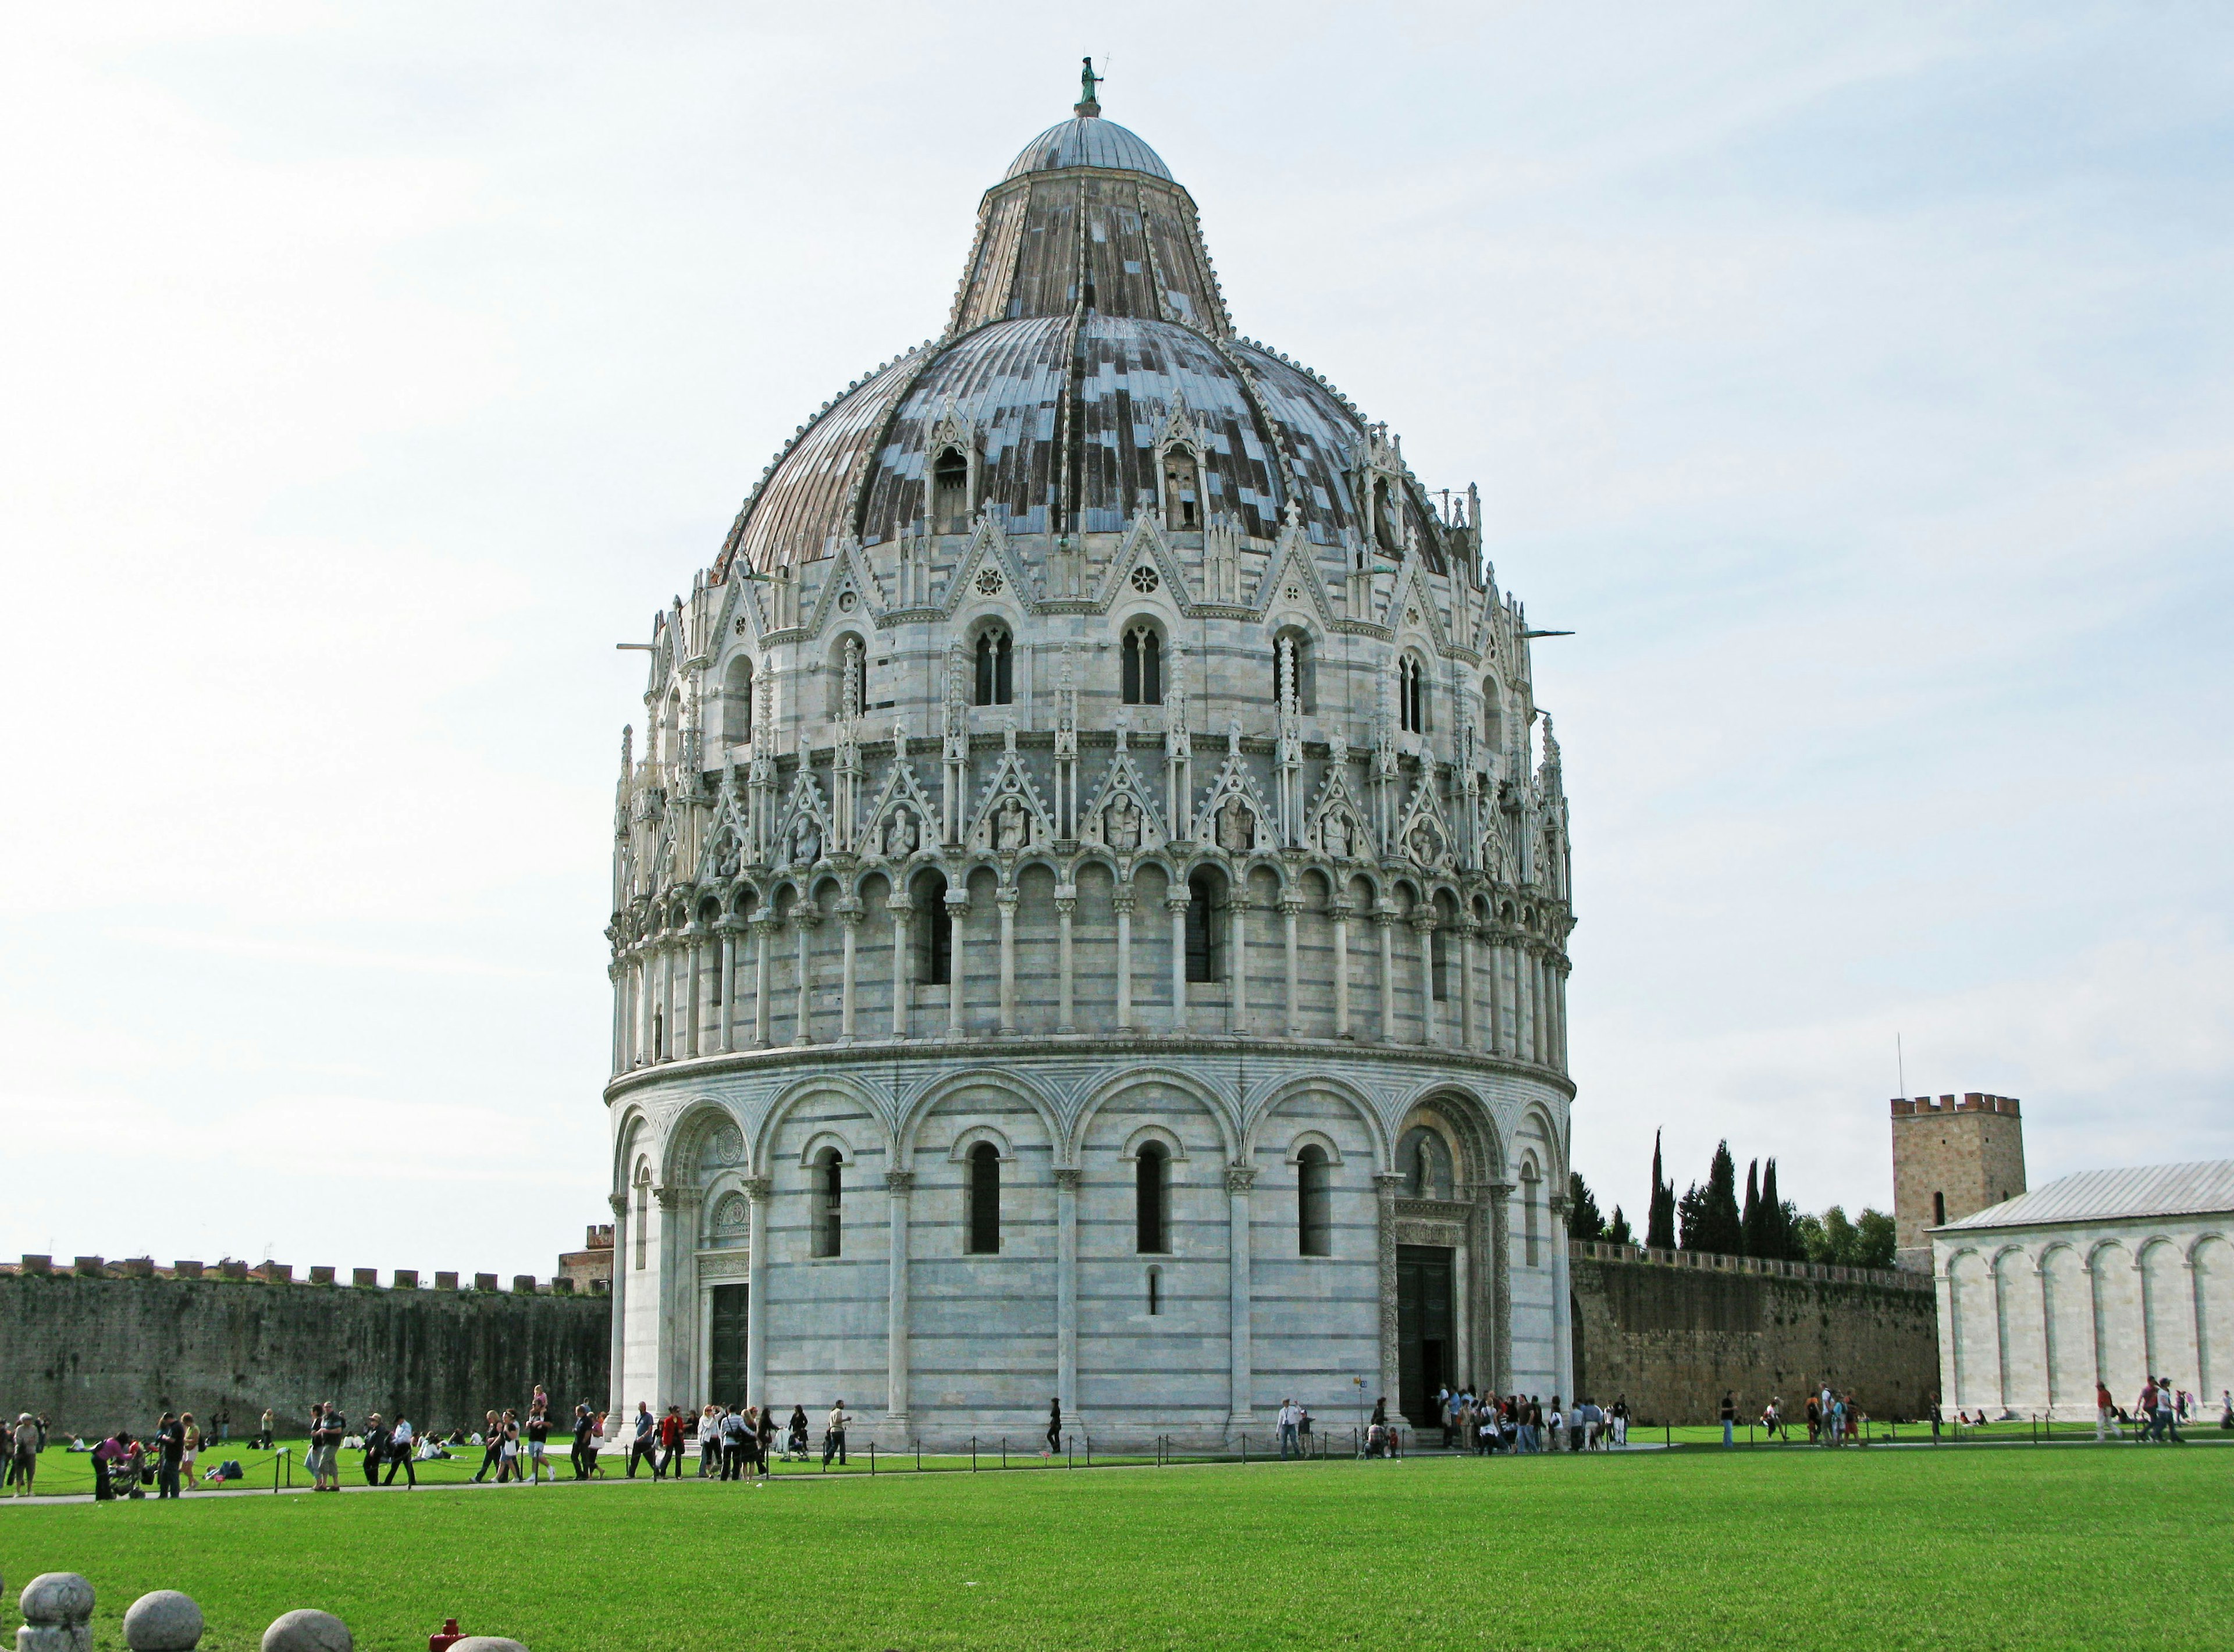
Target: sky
{"x":1856,"y":382}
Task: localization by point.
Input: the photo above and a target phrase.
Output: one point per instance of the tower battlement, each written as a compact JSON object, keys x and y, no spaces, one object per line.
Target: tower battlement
{"x":1951,"y":1157}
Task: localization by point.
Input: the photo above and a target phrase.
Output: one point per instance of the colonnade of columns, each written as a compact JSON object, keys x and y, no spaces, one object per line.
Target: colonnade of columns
{"x":682,"y":993}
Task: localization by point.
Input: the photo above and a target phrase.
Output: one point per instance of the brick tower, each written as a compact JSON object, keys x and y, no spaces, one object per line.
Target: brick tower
{"x":1950,"y":1159}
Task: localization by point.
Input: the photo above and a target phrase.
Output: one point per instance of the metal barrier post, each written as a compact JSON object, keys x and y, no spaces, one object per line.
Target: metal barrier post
{"x":872,"y":1457}
{"x":973,"y":1453}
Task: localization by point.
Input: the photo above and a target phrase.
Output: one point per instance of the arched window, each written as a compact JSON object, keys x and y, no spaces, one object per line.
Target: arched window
{"x":994,"y":681}
{"x":985,"y":1200}
{"x":737,"y":702}
{"x":829,"y":1191}
{"x":1182,"y":489}
{"x":1314,"y":1203}
{"x":1439,"y":965}
{"x":1493,"y":715}
{"x":1412,"y":695}
{"x":1143,"y":657}
{"x":1531,"y":1183}
{"x":937,"y":964}
{"x":642,"y":1212}
{"x":1152,"y":1199}
{"x":1202,"y":960}
{"x":1155,"y":1290}
{"x":1423,"y":1159}
{"x":949,"y":492}
{"x":659,"y":1035}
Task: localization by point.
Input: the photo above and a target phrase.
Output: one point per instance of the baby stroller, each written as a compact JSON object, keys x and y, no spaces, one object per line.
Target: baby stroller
{"x":795,"y":1448}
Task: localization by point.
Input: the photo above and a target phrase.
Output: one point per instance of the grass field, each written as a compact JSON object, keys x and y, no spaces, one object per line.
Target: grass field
{"x":1878,"y":1550}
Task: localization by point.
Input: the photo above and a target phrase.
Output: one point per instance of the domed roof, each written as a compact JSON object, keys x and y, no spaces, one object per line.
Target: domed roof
{"x":1089,"y":333}
{"x":1086,"y":141}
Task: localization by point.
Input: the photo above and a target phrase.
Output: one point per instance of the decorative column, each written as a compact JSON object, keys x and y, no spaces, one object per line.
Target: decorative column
{"x":616,"y":1374}
{"x":1123,"y":900}
{"x":758,"y":1190}
{"x":1237,"y":1001}
{"x":1290,"y":906}
{"x":696,"y":943}
{"x":1066,"y":1180}
{"x":763,"y":926}
{"x":1340,"y":913}
{"x":1177,"y":906}
{"x":1500,"y":1269}
{"x":1066,"y":901}
{"x":616,"y":973}
{"x":805,"y":917}
{"x":957,"y":910}
{"x":1466,"y":933}
{"x":900,"y":906}
{"x":1385,"y":1184}
{"x":1384,"y":920}
{"x":1239,"y":1178}
{"x":1005,"y":902}
{"x":1496,"y":990}
{"x":1423,"y":925}
{"x":1559,"y":1013}
{"x":898,"y":1185}
{"x":2047,"y":1340}
{"x":849,"y":920}
{"x":1563,"y":1328}
{"x":725,"y":1023}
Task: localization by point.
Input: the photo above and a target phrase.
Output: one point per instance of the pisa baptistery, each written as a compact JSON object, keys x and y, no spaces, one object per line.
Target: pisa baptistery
{"x":1090,"y":898}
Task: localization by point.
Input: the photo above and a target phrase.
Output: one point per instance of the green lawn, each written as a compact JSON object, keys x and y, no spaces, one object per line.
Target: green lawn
{"x":1876,"y":1550}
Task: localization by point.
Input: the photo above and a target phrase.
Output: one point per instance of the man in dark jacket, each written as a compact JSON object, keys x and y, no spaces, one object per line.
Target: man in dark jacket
{"x":170,"y":1446}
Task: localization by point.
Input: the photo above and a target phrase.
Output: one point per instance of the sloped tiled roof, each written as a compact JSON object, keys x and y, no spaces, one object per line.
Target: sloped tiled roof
{"x":2109,"y":1195}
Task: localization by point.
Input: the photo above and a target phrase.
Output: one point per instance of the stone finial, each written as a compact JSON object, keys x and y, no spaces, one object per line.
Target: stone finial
{"x":57,"y":1608}
{"x":165,"y":1621}
{"x":307,"y":1630}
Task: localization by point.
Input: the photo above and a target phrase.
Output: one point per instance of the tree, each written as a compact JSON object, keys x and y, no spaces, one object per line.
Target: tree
{"x":1833,"y":1240}
{"x":1617,"y":1230}
{"x":1715,"y":1226}
{"x":1749,"y":1219}
{"x":1660,"y":1214}
{"x":1873,"y":1240}
{"x":1778,"y":1238}
{"x":1691,"y":1216}
{"x":1584,"y":1221}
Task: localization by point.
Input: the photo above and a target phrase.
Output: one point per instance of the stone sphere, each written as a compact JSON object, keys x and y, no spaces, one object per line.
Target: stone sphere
{"x":307,"y":1630}
{"x":56,"y":1597}
{"x":487,"y":1643}
{"x":165,"y":1621}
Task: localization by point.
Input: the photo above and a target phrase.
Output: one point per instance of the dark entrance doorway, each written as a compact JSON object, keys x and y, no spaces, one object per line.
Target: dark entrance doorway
{"x":1425,"y":1334}
{"x":726,"y":1374}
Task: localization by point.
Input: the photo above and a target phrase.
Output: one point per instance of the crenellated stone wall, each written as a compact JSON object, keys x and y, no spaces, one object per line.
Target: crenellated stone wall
{"x":93,"y":1353}
{"x":1671,"y":1331}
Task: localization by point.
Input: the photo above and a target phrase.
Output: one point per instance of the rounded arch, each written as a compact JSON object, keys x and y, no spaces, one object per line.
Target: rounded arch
{"x":1485,"y":1152}
{"x":978,"y":1135}
{"x":1261,"y":1107}
{"x":828,"y":1139}
{"x":630,"y":1133}
{"x":702,"y":1124}
{"x":805,"y":1089}
{"x":1006,"y":1082}
{"x":1124,"y":1083}
{"x":1317,"y":1138}
{"x":1163,"y":1135}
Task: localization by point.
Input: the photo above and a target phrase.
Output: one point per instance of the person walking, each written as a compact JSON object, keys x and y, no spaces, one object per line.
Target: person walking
{"x":833,"y":1435}
{"x":331,"y":1430}
{"x":22,"y":1455}
{"x":538,"y":1441}
{"x":764,"y":1436}
{"x":375,"y":1448}
{"x":585,"y":1450}
{"x":264,"y":1431}
{"x":1290,"y":1443}
{"x":193,"y":1449}
{"x":2167,"y":1419}
{"x":402,"y":1442}
{"x":1730,"y":1419}
{"x":643,"y":1440}
{"x":670,"y":1445}
{"x":492,"y":1447}
{"x":1304,"y":1429}
{"x":1054,"y":1428}
{"x":712,"y":1450}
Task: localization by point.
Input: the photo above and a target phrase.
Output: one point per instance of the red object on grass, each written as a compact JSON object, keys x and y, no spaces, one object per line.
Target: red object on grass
{"x":449,"y":1635}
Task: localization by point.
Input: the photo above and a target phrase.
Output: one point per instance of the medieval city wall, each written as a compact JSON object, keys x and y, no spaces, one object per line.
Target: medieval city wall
{"x":1672,"y":1331}
{"x":93,"y":1353}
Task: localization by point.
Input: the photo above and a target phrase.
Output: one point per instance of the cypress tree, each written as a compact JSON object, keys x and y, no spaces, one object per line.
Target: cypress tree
{"x":1749,"y":1219}
{"x":1777,"y":1238}
{"x":1584,"y":1221}
{"x":1718,"y":1215}
{"x":1659,"y":1214}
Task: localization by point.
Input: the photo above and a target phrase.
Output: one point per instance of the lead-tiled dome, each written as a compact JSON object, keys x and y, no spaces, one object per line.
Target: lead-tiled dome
{"x":1088,"y":320}
{"x":1087,"y":140}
